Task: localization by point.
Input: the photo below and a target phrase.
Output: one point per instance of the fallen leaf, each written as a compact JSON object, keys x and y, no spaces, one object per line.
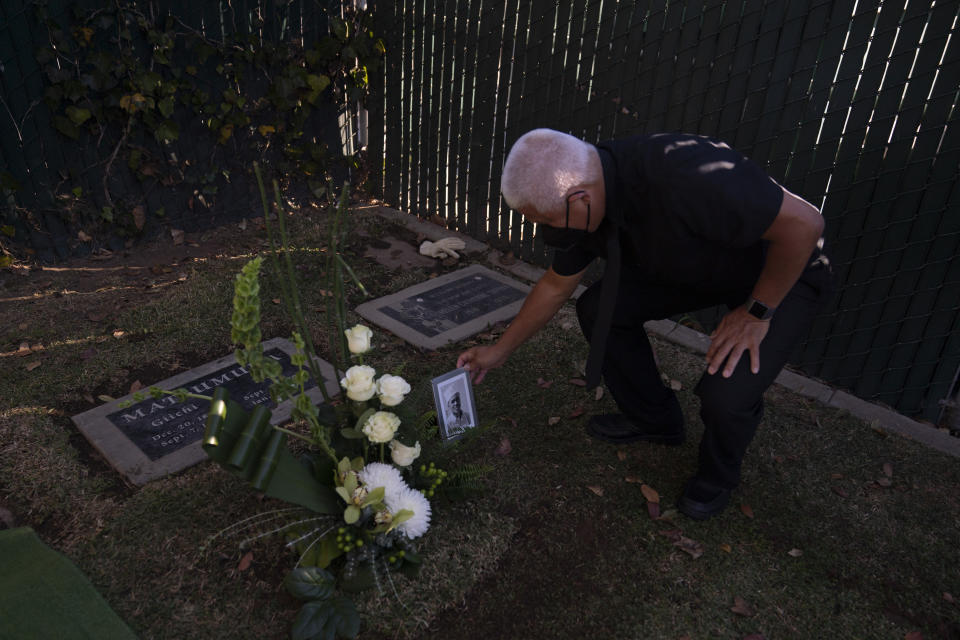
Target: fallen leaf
{"x":275,"y":301}
{"x":633,"y":479}
{"x":245,"y":561}
{"x":598,"y":394}
{"x":577,"y":412}
{"x":669,"y":514}
{"x":139,"y":216}
{"x":89,"y":398}
{"x":948,"y":597}
{"x":105,"y":398}
{"x":726,"y":548}
{"x":840,"y":491}
{"x":596,"y":490}
{"x":742,"y":608}
{"x":914,"y":635}
{"x":136,"y":386}
{"x":676,"y":385}
{"x":579,"y":382}
{"x":621,"y":455}
{"x":691,"y":547}
{"x":544,"y":384}
{"x":83,"y":237}
{"x":23,"y":325}
{"x":33,"y":365}
{"x":673,"y":534}
{"x":649,"y":493}
{"x":653,"y":508}
{"x":504,"y":448}
{"x":553,"y":420}
{"x":836,"y":476}
{"x":778,"y":458}
{"x":884,"y":481}
{"x":747,"y":510}
{"x":24,"y":349}
{"x":177,"y":234}
{"x":118,"y":333}
{"x":795,"y":553}
{"x":888,"y":469}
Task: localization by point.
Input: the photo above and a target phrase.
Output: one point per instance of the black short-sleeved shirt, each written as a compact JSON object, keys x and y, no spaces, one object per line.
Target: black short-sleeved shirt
{"x":691,"y":212}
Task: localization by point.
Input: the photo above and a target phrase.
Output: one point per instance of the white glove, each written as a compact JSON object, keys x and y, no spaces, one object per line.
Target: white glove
{"x":442,"y":248}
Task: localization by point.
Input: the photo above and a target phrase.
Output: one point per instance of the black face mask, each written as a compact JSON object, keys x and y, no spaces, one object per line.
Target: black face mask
{"x":566,"y":238}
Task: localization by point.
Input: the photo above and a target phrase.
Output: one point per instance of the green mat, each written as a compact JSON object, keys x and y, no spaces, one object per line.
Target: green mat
{"x":45,"y":596}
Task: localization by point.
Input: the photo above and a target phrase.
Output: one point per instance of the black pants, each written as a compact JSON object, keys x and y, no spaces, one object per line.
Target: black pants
{"x":731,"y":408}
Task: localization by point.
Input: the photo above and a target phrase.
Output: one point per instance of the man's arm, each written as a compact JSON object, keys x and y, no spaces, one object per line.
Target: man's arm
{"x":541,"y":304}
{"x":792,"y":237}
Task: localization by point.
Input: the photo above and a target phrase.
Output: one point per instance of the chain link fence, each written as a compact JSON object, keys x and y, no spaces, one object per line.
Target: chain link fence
{"x":851,"y":104}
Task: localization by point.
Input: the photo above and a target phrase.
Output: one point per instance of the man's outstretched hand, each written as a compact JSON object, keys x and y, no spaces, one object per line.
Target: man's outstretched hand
{"x":738,"y":332}
{"x":479,"y":360}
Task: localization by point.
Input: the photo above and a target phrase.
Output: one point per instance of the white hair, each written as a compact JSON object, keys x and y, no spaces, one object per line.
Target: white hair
{"x":542,"y":166}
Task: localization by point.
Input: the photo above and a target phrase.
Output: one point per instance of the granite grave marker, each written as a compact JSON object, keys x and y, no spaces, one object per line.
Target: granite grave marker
{"x":448,"y":308}
{"x":154,"y":437}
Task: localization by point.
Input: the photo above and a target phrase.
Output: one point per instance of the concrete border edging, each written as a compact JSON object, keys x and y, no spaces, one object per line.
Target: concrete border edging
{"x":881,"y":417}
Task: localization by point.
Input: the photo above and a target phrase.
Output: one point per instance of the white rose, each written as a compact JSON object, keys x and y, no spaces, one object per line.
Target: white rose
{"x":381,"y":426}
{"x":358,"y":339}
{"x":359,"y":382}
{"x":402,"y":455}
{"x":391,"y":390}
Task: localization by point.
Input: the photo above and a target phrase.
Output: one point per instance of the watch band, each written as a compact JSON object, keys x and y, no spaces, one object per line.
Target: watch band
{"x":759,"y":310}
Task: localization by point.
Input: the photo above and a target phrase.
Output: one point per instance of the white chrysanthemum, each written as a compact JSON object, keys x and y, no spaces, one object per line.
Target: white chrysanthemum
{"x":378,"y":474}
{"x":414,"y":501}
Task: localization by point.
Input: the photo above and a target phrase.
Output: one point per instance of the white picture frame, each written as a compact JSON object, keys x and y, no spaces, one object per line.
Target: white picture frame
{"x":453,"y":399}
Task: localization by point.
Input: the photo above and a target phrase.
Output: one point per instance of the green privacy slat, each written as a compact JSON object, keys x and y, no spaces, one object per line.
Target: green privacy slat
{"x":693,"y":102}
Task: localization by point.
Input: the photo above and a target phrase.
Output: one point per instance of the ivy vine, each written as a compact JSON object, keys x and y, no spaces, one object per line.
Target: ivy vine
{"x":128,"y":81}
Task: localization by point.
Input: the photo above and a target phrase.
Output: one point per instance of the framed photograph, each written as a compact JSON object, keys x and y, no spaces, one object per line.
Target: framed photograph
{"x":453,"y":397}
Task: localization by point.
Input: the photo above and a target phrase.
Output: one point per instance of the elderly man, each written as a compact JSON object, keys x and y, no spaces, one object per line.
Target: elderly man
{"x":684,"y":222}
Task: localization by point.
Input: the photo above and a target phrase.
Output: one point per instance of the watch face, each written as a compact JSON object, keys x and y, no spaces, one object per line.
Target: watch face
{"x":759,"y":310}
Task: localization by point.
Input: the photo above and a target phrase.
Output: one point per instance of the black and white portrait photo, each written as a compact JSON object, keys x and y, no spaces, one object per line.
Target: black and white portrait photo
{"x":453,"y":397}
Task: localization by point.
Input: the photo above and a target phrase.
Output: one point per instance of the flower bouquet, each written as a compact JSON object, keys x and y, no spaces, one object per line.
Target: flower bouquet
{"x":359,"y":500}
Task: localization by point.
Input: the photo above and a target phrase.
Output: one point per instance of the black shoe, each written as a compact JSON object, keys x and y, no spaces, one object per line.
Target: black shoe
{"x":702,"y":499}
{"x":619,"y":429}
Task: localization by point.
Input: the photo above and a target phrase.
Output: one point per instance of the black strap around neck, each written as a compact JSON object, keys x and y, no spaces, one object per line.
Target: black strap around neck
{"x":608,"y":300}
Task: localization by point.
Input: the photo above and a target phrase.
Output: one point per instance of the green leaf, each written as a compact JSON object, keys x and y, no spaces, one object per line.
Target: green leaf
{"x":8,"y":230}
{"x":339,"y":27}
{"x":5,"y":261}
{"x":363,"y":419}
{"x":318,"y":83}
{"x":107,"y":214}
{"x":351,"y":514}
{"x":327,"y":619}
{"x":77,"y":191}
{"x":351,"y":434}
{"x":168,"y":131}
{"x":66,"y":127}
{"x":309,"y":583}
{"x":374,"y":497}
{"x":77,"y":115}
{"x":166,"y":106}
{"x":400,"y":517}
